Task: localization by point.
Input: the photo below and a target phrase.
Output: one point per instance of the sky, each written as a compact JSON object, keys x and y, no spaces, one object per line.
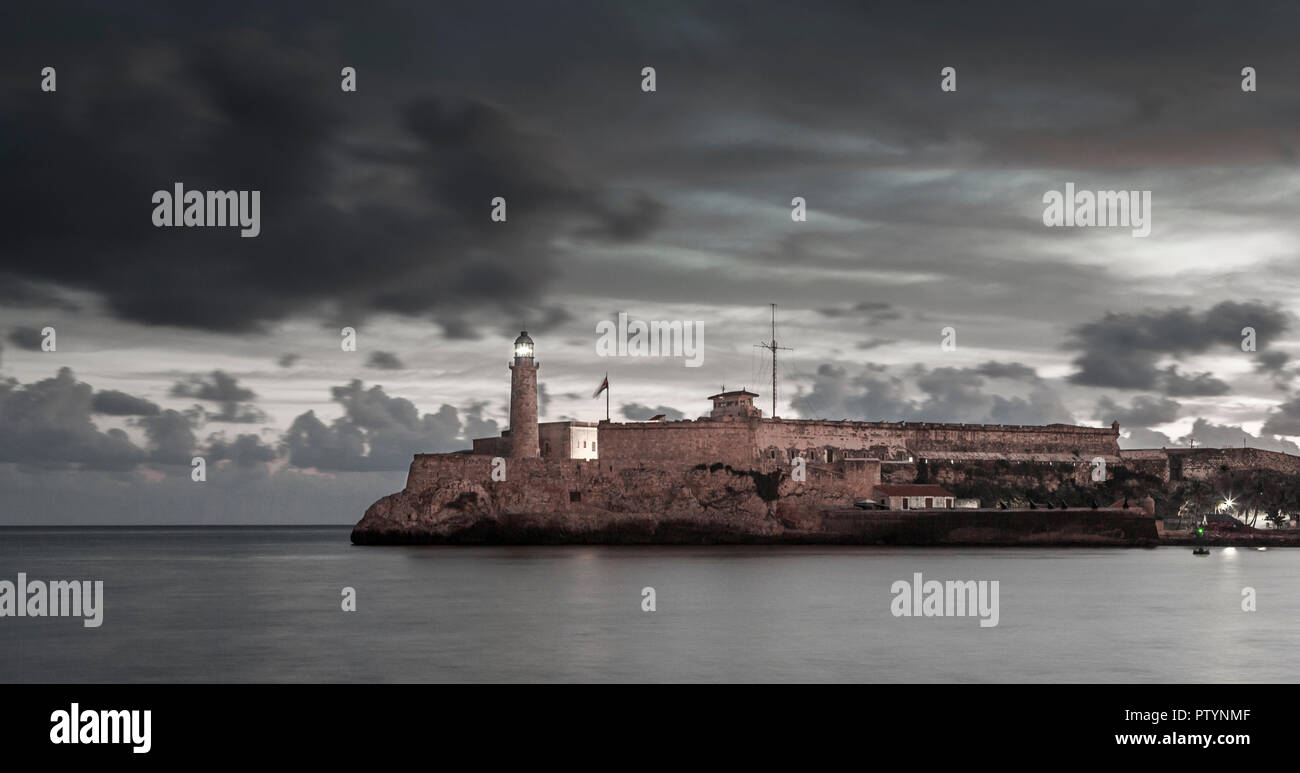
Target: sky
{"x":924,"y":227}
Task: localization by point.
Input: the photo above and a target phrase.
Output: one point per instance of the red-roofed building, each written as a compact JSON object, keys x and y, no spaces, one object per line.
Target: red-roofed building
{"x":912,"y":496}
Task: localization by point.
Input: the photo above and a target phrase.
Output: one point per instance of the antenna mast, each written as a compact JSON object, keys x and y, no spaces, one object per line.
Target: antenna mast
{"x":772,"y":347}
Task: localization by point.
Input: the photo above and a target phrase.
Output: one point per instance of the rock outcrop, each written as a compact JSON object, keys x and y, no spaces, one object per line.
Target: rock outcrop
{"x":467,"y":499}
{"x":454,"y":499}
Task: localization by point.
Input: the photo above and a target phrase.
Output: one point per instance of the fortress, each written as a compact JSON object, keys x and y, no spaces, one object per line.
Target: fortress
{"x":736,"y":433}
{"x":736,"y":476}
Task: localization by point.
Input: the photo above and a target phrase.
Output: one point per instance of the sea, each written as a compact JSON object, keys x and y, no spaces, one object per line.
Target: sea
{"x":295,"y":604}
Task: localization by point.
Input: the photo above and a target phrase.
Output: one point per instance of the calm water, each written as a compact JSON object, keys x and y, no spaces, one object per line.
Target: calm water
{"x":250,"y":604}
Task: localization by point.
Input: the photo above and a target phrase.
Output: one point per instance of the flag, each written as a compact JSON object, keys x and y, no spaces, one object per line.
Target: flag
{"x":603,"y":386}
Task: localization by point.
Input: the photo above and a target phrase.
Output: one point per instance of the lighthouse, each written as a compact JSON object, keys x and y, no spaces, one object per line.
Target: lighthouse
{"x":523,"y":400}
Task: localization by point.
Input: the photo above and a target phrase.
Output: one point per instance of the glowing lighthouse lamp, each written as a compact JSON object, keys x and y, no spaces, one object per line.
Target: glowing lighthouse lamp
{"x":523,"y":347}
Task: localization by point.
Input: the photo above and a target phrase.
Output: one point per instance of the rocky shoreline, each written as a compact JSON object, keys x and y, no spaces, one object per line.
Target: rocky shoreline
{"x":454,"y":499}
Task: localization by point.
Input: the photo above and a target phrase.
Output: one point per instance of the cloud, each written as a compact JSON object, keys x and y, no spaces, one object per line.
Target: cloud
{"x":28,"y":338}
{"x":114,"y":403}
{"x":384,"y":361}
{"x":543,"y":399}
{"x":288,"y":360}
{"x":1122,"y":350}
{"x":639,"y":412}
{"x":246,"y":451}
{"x":874,"y":343}
{"x":171,"y":437}
{"x":1285,"y":420}
{"x":1013,"y":371}
{"x":385,"y":209}
{"x":476,"y":426}
{"x":224,"y":389}
{"x":1139,"y":437}
{"x":872,"y":313}
{"x":951,"y":395}
{"x":376,"y":432}
{"x":47,"y":424}
{"x":1210,"y":435}
{"x":1143,"y":411}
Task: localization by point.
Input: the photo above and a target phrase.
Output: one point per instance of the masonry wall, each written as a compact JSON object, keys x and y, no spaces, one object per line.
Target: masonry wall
{"x":729,"y":442}
{"x":1204,"y":463}
{"x":492,"y":446}
{"x":829,"y":441}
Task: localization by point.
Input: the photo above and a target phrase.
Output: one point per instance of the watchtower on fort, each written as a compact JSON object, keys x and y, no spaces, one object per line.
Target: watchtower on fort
{"x":736,"y":405}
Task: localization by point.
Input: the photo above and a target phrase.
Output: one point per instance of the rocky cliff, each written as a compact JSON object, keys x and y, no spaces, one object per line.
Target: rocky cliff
{"x":455,"y":499}
{"x":464,"y":499}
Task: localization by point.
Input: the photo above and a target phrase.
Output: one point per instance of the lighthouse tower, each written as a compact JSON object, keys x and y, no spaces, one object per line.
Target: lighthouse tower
{"x":523,"y":400}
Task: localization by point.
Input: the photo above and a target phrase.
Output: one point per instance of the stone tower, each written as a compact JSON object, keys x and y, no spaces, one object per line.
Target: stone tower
{"x":523,"y":400}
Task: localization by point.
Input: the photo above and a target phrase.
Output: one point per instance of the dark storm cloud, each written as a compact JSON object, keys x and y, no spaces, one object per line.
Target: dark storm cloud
{"x":639,"y":412}
{"x":288,"y":360}
{"x":1272,"y":361}
{"x":171,"y":437}
{"x":399,"y":221}
{"x":1275,"y":365}
{"x":476,"y":426}
{"x":1013,"y":371}
{"x":28,"y":338}
{"x":16,"y":293}
{"x":1176,"y":384}
{"x":384,"y":361}
{"x":376,"y":432}
{"x":1207,"y":434}
{"x":246,"y":451}
{"x":224,"y":389}
{"x":379,"y":199}
{"x":1142,"y":411}
{"x":1123,"y":350}
{"x":48,"y":424}
{"x":950,"y":395}
{"x":870,"y":312}
{"x":874,"y":343}
{"x":114,"y":403}
{"x":1285,"y":420}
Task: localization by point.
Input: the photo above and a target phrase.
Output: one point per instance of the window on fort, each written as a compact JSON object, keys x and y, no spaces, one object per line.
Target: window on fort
{"x":929,"y":501}
{"x":904,"y":504}
{"x":575,"y":496}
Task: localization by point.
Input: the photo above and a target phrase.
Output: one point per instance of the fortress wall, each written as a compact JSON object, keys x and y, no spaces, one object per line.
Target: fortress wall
{"x":823,"y":441}
{"x":492,"y":446}
{"x":683,"y":441}
{"x":813,"y":439}
{"x":1205,"y":463}
{"x":1009,"y":438}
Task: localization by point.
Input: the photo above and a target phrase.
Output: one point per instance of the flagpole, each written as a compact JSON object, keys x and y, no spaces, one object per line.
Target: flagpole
{"x":606,"y":397}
